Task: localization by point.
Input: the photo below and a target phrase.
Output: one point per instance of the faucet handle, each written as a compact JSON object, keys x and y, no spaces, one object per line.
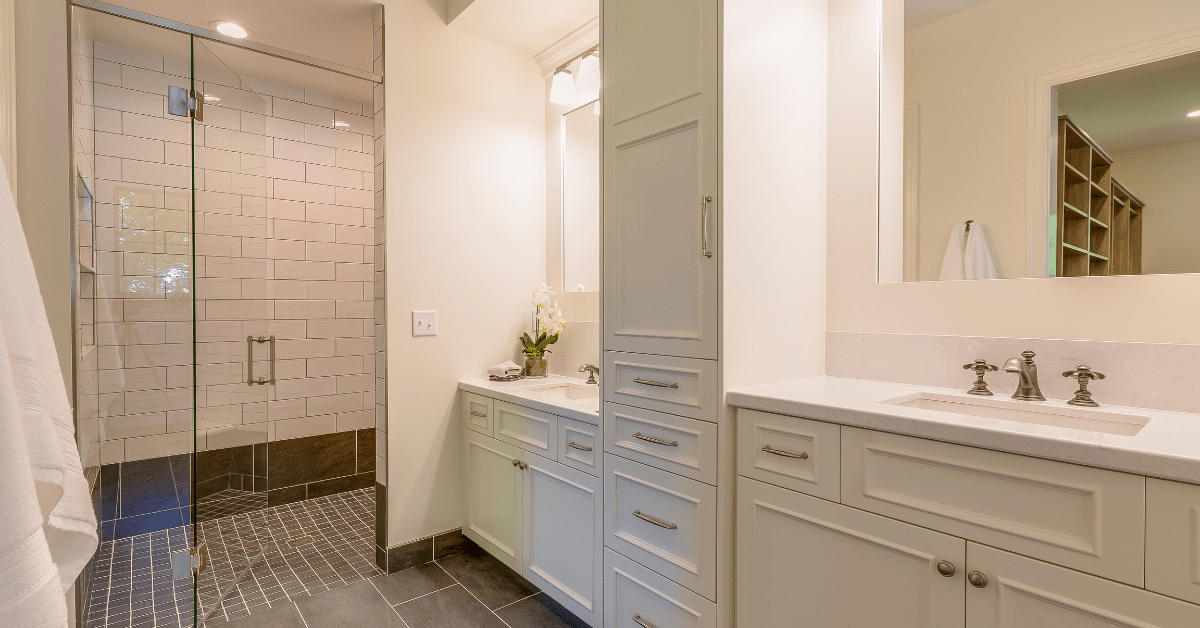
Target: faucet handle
{"x":592,"y":371}
{"x":981,"y":368}
{"x":1082,"y":396}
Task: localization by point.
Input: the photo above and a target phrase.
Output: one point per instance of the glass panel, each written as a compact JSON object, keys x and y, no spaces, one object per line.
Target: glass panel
{"x":235,"y":348}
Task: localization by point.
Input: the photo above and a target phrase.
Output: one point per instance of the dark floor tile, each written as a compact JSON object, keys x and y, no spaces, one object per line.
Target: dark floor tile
{"x":341,"y":485}
{"x":211,"y":486}
{"x":366,"y":450}
{"x":449,"y":608}
{"x":403,"y":586}
{"x":241,"y":460}
{"x":310,"y":459}
{"x":212,"y":463}
{"x":152,"y":522}
{"x":450,"y":543}
{"x":147,"y":486}
{"x":487,"y":578}
{"x":107,"y":529}
{"x":409,"y":555}
{"x":380,"y":515}
{"x":358,"y":604}
{"x":110,"y":491}
{"x":284,"y":615}
{"x":281,"y":496}
{"x":540,"y":611}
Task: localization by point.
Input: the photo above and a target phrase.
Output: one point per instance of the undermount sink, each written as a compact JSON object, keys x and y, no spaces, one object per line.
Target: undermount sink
{"x":1026,"y":412}
{"x":562,"y":390}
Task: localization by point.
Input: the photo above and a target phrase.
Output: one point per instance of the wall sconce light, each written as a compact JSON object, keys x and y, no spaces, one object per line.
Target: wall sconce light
{"x":562,"y":90}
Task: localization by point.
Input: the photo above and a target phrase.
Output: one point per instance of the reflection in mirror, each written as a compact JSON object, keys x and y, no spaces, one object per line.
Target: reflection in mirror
{"x":581,"y":199}
{"x":1041,"y":138}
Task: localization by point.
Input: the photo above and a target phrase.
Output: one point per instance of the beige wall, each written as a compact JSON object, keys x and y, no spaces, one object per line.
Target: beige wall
{"x":466,"y":236}
{"x":43,"y":158}
{"x":1146,"y":308}
{"x":1164,"y":177}
{"x":970,"y":74}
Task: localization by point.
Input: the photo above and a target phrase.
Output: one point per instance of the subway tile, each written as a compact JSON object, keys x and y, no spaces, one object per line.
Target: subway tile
{"x":287,"y":169}
{"x":334,"y":252}
{"x":161,"y":445}
{"x":349,"y":234}
{"x":289,"y":269}
{"x":121,"y":380}
{"x":307,"y":387}
{"x":219,"y":203}
{"x":297,"y":150}
{"x":178,"y":154}
{"x":355,"y":346}
{"x":158,"y":355}
{"x":107,"y":120}
{"x":115,"y":145}
{"x":144,"y":401}
{"x":355,"y":198}
{"x":304,"y":309}
{"x":337,"y":290}
{"x":355,"y":272}
{"x":300,"y":191}
{"x":296,"y":429}
{"x":340,"y":177}
{"x":301,"y":112}
{"x":296,"y":230}
{"x":127,"y":56}
{"x":267,"y":87}
{"x":335,"y":328}
{"x":287,"y":329}
{"x":354,"y":160}
{"x":235,"y":183}
{"x":333,"y":404}
{"x":283,"y":130}
{"x":352,"y":123}
{"x":287,"y":210}
{"x":284,"y":249}
{"x":151,"y":81}
{"x":129,"y":426}
{"x":238,"y":435}
{"x":208,"y":158}
{"x":355,"y":309}
{"x":317,"y":212}
{"x":356,"y":383}
{"x":234,"y":98}
{"x":106,"y":72}
{"x":358,"y":420}
{"x":318,"y":367}
{"x":229,"y":139}
{"x":155,"y":127}
{"x":108,"y":167}
{"x":254,"y":123}
{"x":128,"y":100}
{"x":326,"y":136}
{"x":147,"y":172}
{"x":145,"y":310}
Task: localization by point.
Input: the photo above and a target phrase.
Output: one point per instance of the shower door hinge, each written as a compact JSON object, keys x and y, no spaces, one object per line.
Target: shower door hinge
{"x":185,"y":103}
{"x":189,"y":563}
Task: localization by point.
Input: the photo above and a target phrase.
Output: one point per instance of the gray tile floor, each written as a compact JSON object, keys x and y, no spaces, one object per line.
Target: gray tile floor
{"x":466,"y":590}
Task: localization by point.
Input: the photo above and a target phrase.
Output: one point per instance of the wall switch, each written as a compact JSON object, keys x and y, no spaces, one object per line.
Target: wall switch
{"x":424,"y":322}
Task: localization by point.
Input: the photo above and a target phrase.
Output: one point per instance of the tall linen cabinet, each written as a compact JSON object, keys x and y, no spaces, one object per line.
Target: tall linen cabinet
{"x":713,"y":275}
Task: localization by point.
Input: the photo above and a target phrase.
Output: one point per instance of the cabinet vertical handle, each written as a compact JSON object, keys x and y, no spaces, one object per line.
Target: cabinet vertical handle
{"x":262,"y":381}
{"x":637,"y":619}
{"x":704,"y":226}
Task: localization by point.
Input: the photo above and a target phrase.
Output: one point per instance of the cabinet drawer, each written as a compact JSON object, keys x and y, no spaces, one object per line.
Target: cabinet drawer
{"x":672,"y":443}
{"x":477,"y":412}
{"x":663,"y":521}
{"x":1079,"y":517}
{"x":631,"y":590}
{"x":1173,"y":539}
{"x":529,"y":429}
{"x":579,"y":445}
{"x":1025,"y":593}
{"x":683,"y":386}
{"x":791,"y":452}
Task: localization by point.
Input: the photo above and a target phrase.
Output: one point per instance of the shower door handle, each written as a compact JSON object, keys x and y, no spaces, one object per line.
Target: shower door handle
{"x":250,"y":341}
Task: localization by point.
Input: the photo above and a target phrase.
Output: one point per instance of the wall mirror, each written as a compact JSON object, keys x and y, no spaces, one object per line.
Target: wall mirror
{"x":581,"y":199}
{"x":1040,"y":138}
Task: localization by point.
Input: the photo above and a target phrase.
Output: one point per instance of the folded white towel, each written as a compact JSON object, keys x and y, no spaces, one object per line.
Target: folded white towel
{"x":504,"y":370}
{"x":952,"y":261}
{"x":977,"y":257}
{"x":47,"y":526}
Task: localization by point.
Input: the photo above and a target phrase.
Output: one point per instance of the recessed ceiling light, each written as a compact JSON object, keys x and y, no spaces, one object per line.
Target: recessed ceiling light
{"x":1194,"y":114}
{"x":230,"y":29}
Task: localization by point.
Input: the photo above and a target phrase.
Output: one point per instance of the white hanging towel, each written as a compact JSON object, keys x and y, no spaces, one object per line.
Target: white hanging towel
{"x":977,"y":258}
{"x":952,"y":262}
{"x":967,"y":255}
{"x":47,"y":526}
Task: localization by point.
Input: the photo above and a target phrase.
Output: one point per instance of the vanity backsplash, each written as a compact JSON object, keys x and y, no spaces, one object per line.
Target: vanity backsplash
{"x":1148,"y":375}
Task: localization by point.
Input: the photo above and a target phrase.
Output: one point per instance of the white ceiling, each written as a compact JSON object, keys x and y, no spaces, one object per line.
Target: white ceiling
{"x":333,"y":30}
{"x":918,"y":13}
{"x":1138,"y":107}
{"x":530,"y":26}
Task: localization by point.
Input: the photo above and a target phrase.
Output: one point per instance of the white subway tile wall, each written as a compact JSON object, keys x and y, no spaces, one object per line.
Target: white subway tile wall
{"x":373,"y":233}
{"x":284,"y":244}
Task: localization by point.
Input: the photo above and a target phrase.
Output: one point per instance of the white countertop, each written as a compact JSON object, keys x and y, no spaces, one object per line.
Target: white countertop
{"x":1167,"y":447}
{"x":586,"y":410}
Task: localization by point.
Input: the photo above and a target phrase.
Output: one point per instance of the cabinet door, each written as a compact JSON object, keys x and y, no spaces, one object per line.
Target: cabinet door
{"x":804,"y":561}
{"x":660,"y":164}
{"x":562,"y":509}
{"x":493,"y":485}
{"x":1173,"y":539}
{"x":1022,"y":592}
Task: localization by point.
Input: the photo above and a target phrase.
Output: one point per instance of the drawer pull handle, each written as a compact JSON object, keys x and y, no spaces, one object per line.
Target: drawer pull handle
{"x":482,"y":416}
{"x":977,"y":580}
{"x":637,"y":619}
{"x":650,"y":382}
{"x":656,"y":441}
{"x":579,"y":447}
{"x":658,"y":522}
{"x":786,"y":454}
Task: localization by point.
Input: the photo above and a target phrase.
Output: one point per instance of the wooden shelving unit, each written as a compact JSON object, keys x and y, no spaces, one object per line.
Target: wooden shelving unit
{"x":1099,"y":221}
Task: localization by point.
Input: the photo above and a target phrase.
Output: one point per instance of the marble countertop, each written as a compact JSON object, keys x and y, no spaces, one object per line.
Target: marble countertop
{"x":1168,"y":446}
{"x":586,"y":410}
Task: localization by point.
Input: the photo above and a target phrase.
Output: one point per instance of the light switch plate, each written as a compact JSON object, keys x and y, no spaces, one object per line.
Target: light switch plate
{"x":424,"y":323}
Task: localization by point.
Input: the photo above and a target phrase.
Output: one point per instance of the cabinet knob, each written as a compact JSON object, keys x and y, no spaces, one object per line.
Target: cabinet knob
{"x":516,"y":463}
{"x":946,"y":568}
{"x":977,"y":580}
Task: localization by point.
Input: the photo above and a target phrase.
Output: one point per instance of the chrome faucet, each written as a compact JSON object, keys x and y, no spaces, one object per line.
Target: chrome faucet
{"x":1027,"y":382}
{"x":592,"y":371}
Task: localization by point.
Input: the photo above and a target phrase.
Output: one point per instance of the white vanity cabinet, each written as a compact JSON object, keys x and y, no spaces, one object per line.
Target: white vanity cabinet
{"x":536,"y":514}
{"x":1028,"y":542}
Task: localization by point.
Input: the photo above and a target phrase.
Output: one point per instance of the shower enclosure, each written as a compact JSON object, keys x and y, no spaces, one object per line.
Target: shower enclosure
{"x":225,"y":319}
